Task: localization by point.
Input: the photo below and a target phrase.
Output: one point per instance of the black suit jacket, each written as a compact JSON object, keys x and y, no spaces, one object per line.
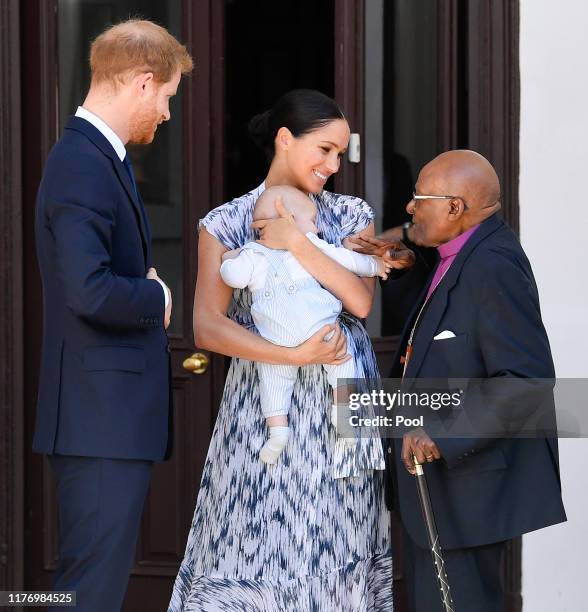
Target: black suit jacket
{"x":484,"y":489}
{"x":104,"y":388}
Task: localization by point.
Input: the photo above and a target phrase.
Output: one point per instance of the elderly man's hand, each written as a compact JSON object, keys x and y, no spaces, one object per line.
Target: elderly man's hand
{"x":394,"y":253}
{"x":417,"y":443}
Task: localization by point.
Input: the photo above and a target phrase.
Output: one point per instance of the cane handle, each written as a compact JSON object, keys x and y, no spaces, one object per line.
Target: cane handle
{"x":418,"y":466}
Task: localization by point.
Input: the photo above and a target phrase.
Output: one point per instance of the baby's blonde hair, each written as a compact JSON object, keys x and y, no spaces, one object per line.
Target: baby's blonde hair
{"x":292,"y":198}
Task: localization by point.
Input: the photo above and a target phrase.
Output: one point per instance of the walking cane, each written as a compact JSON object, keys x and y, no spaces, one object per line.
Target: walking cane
{"x":433,"y":536}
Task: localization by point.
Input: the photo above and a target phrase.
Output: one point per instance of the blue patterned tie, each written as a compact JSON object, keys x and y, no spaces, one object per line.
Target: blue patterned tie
{"x":129,"y":168}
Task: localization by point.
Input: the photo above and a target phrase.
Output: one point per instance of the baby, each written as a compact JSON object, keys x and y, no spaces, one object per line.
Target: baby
{"x":289,"y":306}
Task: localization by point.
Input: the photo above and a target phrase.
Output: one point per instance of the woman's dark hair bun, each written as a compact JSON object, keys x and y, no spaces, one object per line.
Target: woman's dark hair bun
{"x":259,"y":129}
{"x":300,"y":110}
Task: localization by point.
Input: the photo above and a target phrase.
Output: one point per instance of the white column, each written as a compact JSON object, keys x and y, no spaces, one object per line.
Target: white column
{"x":554,"y":233}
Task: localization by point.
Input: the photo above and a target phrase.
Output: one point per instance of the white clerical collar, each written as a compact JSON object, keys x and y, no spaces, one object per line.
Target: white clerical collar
{"x":107,"y":132}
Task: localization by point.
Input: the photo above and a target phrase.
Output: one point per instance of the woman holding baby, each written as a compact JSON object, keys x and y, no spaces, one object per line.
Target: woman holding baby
{"x":305,"y":526}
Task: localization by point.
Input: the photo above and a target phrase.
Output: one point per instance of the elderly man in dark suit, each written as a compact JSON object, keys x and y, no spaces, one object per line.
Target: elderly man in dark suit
{"x":477,"y":317}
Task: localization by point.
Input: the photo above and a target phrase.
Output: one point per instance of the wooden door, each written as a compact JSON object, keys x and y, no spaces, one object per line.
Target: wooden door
{"x":350,"y":49}
{"x":201,"y":158}
{"x":430,"y":76}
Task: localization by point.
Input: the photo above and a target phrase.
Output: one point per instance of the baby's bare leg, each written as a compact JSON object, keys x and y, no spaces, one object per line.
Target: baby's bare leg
{"x":342,"y":392}
{"x":279,"y":420}
{"x":341,"y":413}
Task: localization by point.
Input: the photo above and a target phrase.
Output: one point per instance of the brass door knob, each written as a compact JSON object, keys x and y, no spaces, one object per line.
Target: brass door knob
{"x":196,"y":363}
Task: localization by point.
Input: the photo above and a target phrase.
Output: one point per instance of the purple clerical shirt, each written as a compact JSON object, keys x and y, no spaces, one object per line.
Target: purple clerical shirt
{"x":448,"y":252}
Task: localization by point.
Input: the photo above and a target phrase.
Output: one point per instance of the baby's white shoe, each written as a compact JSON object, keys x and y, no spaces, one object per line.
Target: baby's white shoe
{"x":274,"y":446}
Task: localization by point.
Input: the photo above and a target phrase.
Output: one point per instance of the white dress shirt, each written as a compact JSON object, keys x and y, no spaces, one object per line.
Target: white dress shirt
{"x":119,"y":147}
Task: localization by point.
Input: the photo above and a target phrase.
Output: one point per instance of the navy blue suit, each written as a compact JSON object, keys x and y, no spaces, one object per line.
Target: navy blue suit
{"x":104,"y":406}
{"x":485,"y":490}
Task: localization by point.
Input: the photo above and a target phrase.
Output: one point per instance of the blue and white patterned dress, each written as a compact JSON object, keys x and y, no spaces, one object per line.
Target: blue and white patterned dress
{"x":288,"y":537}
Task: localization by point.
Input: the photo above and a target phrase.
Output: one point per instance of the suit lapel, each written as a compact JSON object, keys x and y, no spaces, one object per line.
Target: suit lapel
{"x":428,"y":323}
{"x":435,"y":309}
{"x":397,"y":365}
{"x":85,"y":127}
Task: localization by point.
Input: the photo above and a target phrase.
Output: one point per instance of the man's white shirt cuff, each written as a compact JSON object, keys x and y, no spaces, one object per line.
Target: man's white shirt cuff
{"x":165,"y":291}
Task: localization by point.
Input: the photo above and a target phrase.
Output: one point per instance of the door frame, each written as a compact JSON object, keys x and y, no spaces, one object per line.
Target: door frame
{"x":11,"y":306}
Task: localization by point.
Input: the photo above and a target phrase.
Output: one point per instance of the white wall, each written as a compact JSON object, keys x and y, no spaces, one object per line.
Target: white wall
{"x":554,"y":233}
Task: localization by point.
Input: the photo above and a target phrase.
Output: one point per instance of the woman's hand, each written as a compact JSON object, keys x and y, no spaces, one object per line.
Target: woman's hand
{"x":317,"y":349}
{"x":394,"y":253}
{"x":280,"y":233}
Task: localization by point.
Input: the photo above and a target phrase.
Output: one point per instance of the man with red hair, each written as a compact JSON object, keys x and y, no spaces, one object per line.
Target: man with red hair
{"x":104,"y":409}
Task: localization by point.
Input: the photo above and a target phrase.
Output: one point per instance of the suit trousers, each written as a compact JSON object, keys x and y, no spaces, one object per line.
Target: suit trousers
{"x":100,"y":507}
{"x":474,"y":576}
